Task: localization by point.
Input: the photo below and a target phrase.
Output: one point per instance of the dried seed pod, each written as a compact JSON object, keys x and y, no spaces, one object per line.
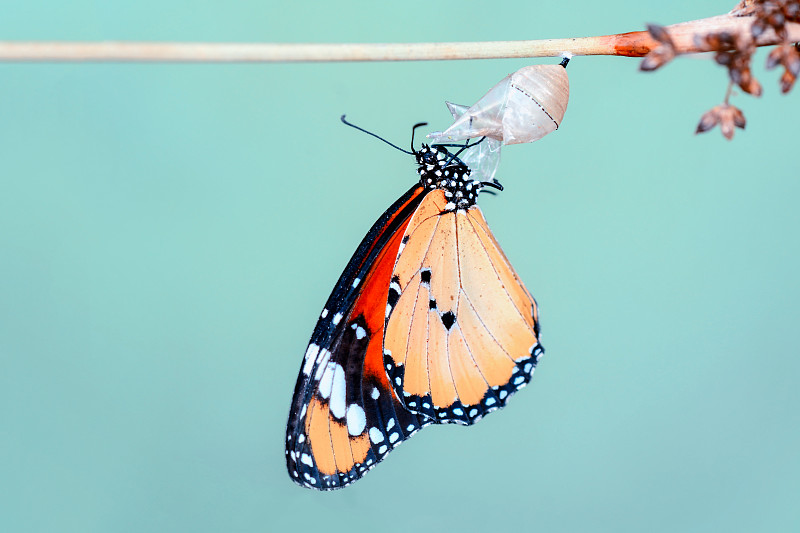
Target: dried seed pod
{"x":727,"y":116}
{"x":661,"y":54}
{"x":524,"y":107}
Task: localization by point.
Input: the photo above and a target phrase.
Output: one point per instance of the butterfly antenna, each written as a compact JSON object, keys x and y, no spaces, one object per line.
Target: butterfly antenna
{"x":413,"y":131}
{"x":381,"y":138}
{"x":467,"y":145}
{"x":461,"y":147}
{"x":454,"y":156}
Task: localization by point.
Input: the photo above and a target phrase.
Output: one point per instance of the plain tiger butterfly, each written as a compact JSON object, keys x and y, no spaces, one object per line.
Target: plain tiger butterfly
{"x":428,"y":324}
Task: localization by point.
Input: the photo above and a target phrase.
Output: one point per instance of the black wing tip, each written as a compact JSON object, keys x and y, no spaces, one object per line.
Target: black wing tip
{"x":311,"y":478}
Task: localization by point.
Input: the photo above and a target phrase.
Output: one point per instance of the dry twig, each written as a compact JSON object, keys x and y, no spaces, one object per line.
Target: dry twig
{"x":733,"y":37}
{"x":632,"y":44}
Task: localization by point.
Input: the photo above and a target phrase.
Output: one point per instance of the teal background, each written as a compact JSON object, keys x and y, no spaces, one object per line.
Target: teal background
{"x":169,"y":233}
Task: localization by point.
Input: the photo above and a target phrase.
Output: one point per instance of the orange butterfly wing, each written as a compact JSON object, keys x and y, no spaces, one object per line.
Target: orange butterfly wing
{"x":345,"y":416}
{"x":427,"y":323}
{"x":462,"y":331}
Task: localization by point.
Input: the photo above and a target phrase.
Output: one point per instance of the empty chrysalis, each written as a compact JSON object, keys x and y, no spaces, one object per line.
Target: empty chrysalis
{"x":524,"y":107}
{"x":483,"y":157}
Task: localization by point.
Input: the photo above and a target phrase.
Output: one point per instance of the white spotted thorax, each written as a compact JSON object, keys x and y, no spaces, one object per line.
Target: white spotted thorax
{"x":439,"y":169}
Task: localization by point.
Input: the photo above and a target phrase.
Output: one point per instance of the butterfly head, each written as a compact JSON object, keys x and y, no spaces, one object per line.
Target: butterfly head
{"x":439,"y":169}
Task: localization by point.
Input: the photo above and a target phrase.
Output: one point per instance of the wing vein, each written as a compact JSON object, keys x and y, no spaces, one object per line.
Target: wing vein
{"x":449,"y":366}
{"x":447,"y":335}
{"x":317,"y":474}
{"x":475,"y":362}
{"x":485,"y":327}
{"x":476,"y":228}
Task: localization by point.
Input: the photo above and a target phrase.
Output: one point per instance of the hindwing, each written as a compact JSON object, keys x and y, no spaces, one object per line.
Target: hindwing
{"x":462,"y":331}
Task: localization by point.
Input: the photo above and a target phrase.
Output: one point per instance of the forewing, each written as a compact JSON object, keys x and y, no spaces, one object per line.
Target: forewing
{"x":345,"y":416}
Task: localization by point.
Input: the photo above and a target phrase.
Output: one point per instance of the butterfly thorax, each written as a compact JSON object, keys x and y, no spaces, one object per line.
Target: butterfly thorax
{"x":439,"y":169}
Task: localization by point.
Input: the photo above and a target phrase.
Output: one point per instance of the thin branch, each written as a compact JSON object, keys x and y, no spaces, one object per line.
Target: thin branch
{"x":633,"y":44}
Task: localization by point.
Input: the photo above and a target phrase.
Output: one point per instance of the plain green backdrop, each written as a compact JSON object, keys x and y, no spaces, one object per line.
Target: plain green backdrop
{"x":169,"y":233}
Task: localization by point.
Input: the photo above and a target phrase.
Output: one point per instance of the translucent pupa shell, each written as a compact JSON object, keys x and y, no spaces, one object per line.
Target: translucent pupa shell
{"x":524,"y":107}
{"x":484,"y":157}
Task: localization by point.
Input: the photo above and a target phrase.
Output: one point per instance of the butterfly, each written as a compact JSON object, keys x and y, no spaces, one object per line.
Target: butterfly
{"x":428,"y":324}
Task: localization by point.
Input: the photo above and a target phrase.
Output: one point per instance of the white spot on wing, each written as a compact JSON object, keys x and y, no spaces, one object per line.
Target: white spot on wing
{"x":322,"y":362}
{"x":360,"y":333}
{"x":324,"y":313}
{"x":375,"y":393}
{"x":311,"y":356}
{"x":326,"y":382}
{"x":337,"y":318}
{"x":356,"y":419}
{"x":356,"y":282}
{"x":305,"y":458}
{"x":338,"y":393}
{"x":375,"y":435}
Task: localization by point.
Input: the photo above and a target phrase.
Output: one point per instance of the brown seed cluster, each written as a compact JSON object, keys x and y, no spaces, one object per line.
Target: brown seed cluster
{"x":734,"y":50}
{"x":726,"y":115}
{"x":661,"y":54}
{"x":787,"y":55}
{"x":774,"y":14}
